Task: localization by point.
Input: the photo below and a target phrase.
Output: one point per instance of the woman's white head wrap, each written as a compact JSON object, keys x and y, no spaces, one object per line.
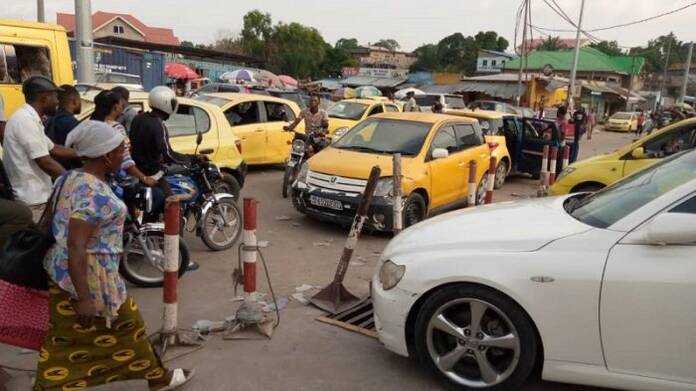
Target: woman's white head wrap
{"x":93,"y":139}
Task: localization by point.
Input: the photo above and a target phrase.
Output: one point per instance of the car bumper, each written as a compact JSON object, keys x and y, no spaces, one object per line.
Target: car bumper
{"x":391,"y":310}
{"x":617,"y":128}
{"x":379,"y":216}
{"x":560,"y":188}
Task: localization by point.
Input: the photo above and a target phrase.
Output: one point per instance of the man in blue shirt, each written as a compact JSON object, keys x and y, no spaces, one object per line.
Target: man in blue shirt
{"x":69,"y":105}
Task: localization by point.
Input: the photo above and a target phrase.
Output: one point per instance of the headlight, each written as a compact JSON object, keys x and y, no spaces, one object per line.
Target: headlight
{"x":566,"y":171}
{"x":390,"y":274}
{"x":298,"y":146}
{"x":385,"y":187}
{"x":302,"y":175}
{"x":339,"y":133}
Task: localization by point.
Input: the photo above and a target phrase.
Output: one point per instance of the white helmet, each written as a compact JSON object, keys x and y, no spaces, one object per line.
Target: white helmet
{"x":164,"y":99}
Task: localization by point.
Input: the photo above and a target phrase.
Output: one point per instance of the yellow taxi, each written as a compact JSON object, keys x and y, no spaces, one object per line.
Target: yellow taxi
{"x":597,"y":172}
{"x":344,"y":114}
{"x":622,"y":122}
{"x":219,"y":143}
{"x":28,"y":49}
{"x":436,"y":150}
{"x":493,"y":126}
{"x":258,"y":120}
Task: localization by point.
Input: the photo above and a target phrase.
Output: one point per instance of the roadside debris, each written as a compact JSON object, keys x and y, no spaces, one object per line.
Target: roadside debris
{"x":283,"y":218}
{"x":300,"y":298}
{"x":321,"y":244}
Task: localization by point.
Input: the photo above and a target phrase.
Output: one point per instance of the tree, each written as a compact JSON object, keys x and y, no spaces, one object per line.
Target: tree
{"x":256,"y":34}
{"x":427,"y":59}
{"x":608,"y":47}
{"x":186,"y":44}
{"x":491,"y":41}
{"x":347,"y":44}
{"x":228,"y":42}
{"x":298,"y":50}
{"x":551,"y":44}
{"x":335,"y":59}
{"x":655,"y":53}
{"x":389,"y":44}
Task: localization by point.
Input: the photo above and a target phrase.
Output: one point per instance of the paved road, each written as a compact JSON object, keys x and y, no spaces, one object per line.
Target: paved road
{"x":303,"y":354}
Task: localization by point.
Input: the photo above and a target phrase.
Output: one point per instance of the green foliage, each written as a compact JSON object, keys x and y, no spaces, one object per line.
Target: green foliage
{"x":347,"y":44}
{"x":551,"y":44}
{"x":457,"y":53}
{"x":390,"y":44}
{"x":186,"y":44}
{"x":491,"y":41}
{"x":298,"y":50}
{"x":427,"y":59}
{"x":655,"y":52}
{"x":256,"y":34}
{"x":608,"y":47}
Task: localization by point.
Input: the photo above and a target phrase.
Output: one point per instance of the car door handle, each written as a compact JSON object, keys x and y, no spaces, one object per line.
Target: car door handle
{"x":258,"y":130}
{"x":207,"y":151}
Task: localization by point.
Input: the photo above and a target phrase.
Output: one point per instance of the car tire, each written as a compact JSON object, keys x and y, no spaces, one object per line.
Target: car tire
{"x":501,"y":319}
{"x":288,"y":178}
{"x":481,"y":190}
{"x":587,"y":188}
{"x":500,"y":174}
{"x":228,"y":184}
{"x":414,"y":210}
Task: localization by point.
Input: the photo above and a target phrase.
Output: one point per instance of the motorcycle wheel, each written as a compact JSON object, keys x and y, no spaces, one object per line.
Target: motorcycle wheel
{"x":213,"y":233}
{"x":140,"y":271}
{"x":288,"y":177}
{"x":228,"y":185}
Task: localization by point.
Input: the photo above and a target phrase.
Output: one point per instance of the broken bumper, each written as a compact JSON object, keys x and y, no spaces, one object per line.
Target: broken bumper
{"x":391,"y":311}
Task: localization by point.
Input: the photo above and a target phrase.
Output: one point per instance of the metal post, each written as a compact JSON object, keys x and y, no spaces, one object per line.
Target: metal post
{"x":687,"y":70}
{"x":471,"y":195}
{"x":573,"y":71}
{"x":171,"y":272}
{"x":85,"y":48}
{"x":490,"y":181}
{"x":566,"y":156}
{"x":397,"y":220}
{"x":40,"y":11}
{"x":664,"y":73}
{"x":544,"y":173}
{"x":249,"y":248}
{"x":554,"y":163}
{"x":523,"y":54}
{"x":630,"y":84}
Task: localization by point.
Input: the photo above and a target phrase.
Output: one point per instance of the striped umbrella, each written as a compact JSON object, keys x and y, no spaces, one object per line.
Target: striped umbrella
{"x":240,"y":76}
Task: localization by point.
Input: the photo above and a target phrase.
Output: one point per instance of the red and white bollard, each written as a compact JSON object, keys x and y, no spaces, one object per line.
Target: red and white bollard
{"x":171,"y":270}
{"x":554,"y":164}
{"x":566,"y":156}
{"x":250,"y":245}
{"x":397,"y":221}
{"x":490,"y":181}
{"x":545,"y":166}
{"x":471,"y":198}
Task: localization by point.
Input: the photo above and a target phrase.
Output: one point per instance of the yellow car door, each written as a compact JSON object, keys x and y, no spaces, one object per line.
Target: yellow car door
{"x":678,"y":139}
{"x":184,"y":125}
{"x":448,"y":173}
{"x":473,"y":146}
{"x":245,"y":119}
{"x":276,"y":115}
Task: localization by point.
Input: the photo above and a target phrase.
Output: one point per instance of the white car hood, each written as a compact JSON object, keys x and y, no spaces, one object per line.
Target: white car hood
{"x":506,"y":227}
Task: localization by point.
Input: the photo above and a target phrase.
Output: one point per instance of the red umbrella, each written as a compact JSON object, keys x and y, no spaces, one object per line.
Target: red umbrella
{"x":289,"y":81}
{"x":180,"y":71}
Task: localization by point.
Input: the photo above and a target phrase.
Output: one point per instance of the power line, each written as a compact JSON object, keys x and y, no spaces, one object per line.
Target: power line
{"x":622,"y":24}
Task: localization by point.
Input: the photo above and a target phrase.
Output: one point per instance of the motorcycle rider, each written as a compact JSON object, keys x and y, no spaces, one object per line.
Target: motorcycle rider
{"x":316,"y":125}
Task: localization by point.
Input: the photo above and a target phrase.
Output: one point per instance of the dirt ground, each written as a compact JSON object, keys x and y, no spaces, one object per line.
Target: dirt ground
{"x":303,"y":353}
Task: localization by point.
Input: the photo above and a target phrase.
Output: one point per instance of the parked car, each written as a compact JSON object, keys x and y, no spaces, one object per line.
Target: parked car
{"x":585,"y":288}
{"x":492,"y":105}
{"x":293,"y":96}
{"x":597,"y":172}
{"x":344,"y":114}
{"x":219,"y":143}
{"x":213,"y":88}
{"x":622,"y":122}
{"x":449,"y":101}
{"x":435,"y":149}
{"x":27,"y":49}
{"x":258,"y":121}
{"x":109,"y":80}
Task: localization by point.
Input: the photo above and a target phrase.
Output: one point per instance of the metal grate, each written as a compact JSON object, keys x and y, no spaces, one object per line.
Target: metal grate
{"x":358,"y":319}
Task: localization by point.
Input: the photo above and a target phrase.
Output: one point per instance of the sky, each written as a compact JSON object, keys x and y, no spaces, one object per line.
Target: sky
{"x":410,"y":22}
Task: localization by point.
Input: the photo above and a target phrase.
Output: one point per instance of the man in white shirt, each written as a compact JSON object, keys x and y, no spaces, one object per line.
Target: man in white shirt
{"x":411,"y":104}
{"x":27,"y":150}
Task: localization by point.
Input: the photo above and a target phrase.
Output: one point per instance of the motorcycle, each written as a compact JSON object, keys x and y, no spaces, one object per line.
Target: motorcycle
{"x":216,"y":215}
{"x":299,"y":150}
{"x":142,"y":263}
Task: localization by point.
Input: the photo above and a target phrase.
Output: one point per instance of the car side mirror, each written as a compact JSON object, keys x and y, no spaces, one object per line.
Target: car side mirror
{"x":669,"y":228}
{"x":638,"y":153}
{"x":440,"y":153}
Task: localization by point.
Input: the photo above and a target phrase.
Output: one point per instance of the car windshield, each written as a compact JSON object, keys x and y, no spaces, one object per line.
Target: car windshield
{"x":454,"y":101}
{"x":607,"y":206}
{"x":347,"y":110}
{"x":622,"y":116}
{"x":487,"y":105}
{"x":213,"y":100}
{"x":426,"y":100}
{"x":491,"y":126}
{"x":378,"y":135}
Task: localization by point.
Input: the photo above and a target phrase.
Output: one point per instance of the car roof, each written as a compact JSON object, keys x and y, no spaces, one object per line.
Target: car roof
{"x":363,"y":101}
{"x":242,"y":97}
{"x":432,"y":118}
{"x":486,"y":114}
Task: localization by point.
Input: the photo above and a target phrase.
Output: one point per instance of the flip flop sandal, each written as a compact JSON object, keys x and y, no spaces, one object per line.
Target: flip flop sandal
{"x":179,"y":378}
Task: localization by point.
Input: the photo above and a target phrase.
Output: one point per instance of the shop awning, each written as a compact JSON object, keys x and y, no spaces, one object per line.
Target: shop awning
{"x":379,"y":82}
{"x":494,"y":89}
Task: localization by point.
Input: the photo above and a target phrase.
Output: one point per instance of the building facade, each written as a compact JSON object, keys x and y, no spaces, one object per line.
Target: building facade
{"x":378,"y":57}
{"x":491,"y":61}
{"x":122,"y":26}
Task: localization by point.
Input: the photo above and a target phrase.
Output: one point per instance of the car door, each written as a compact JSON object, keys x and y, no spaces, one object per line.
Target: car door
{"x":535,"y":135}
{"x":472,"y":146}
{"x":648,"y":308}
{"x":447,"y":175}
{"x":245,"y":119}
{"x":512,"y":129}
{"x":276,"y":115}
{"x":184,"y":125}
{"x":677,"y":140}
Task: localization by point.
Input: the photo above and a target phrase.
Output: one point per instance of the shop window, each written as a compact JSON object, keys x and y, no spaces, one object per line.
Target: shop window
{"x":118,"y":29}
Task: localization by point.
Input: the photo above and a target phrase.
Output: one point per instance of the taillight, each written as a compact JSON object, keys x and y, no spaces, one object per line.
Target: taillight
{"x":238,"y":144}
{"x":493,"y":146}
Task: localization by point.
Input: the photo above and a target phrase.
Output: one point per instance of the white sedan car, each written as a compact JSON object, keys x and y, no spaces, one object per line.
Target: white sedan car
{"x":599,"y":289}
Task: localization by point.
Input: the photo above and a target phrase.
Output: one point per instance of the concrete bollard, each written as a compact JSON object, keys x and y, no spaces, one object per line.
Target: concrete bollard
{"x":249,"y":246}
{"x":171,"y":269}
{"x":545,"y":166}
{"x":471,"y":195}
{"x":566,"y":156}
{"x":554,"y":164}
{"x":398,"y":223}
{"x":490,"y":181}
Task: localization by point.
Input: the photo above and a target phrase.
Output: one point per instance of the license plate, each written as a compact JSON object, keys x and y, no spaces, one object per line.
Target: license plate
{"x":325,"y":203}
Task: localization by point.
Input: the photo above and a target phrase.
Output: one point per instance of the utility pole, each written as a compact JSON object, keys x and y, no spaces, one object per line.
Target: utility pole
{"x":40,"y":11}
{"x":630,"y":83}
{"x":574,"y":70}
{"x":686,"y":73}
{"x":85,"y":46}
{"x":523,"y":54}
{"x":664,"y":74}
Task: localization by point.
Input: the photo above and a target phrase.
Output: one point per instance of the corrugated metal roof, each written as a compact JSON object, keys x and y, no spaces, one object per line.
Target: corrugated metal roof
{"x":494,"y":89}
{"x":590,"y":60}
{"x":379,"y":82}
